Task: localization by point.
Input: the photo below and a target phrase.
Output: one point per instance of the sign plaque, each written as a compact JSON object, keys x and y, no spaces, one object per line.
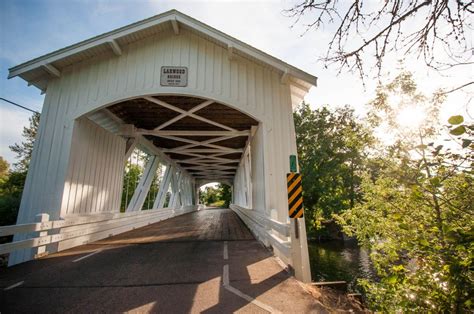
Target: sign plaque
{"x":295,"y":195}
{"x":293,"y":163}
{"x":174,"y":76}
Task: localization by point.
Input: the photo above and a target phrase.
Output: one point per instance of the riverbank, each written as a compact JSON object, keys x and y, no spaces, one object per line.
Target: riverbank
{"x":340,"y":261}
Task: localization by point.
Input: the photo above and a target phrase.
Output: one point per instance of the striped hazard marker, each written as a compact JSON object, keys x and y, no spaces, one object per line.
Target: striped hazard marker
{"x":295,"y":195}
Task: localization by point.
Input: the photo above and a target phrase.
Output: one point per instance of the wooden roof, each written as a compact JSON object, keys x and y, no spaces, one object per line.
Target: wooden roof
{"x":38,"y":71}
{"x":209,"y":141}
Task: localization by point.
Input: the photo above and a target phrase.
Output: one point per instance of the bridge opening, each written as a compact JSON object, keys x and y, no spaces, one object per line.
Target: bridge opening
{"x":216,"y":194}
{"x":133,"y":171}
{"x":175,"y":144}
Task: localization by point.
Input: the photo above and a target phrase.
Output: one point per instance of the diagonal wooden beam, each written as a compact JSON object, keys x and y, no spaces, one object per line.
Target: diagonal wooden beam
{"x":115,"y":47}
{"x":185,"y":113}
{"x":193,"y":143}
{"x":192,"y":132}
{"x":175,"y":25}
{"x":202,"y":150}
{"x":52,"y":70}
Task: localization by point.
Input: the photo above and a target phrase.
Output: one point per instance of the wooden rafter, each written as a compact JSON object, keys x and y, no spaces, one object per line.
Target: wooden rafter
{"x":189,"y":113}
{"x":199,"y":151}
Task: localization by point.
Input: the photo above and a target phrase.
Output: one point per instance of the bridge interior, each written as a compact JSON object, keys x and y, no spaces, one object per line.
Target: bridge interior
{"x":205,"y":261}
{"x":204,"y":137}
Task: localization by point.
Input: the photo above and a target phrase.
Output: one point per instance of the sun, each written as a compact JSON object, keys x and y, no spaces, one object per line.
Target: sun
{"x":411,"y":117}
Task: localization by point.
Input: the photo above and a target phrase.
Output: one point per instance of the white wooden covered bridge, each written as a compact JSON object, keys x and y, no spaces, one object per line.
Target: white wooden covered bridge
{"x":203,"y":106}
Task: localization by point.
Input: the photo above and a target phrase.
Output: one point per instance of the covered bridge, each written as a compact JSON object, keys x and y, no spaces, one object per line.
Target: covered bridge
{"x":203,"y":106}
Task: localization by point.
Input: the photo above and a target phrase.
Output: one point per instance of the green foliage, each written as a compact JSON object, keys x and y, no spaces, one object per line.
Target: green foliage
{"x":4,"y":166}
{"x":219,"y":196}
{"x":131,"y":176}
{"x":331,"y":152}
{"x":416,"y":216}
{"x":24,"y":149}
{"x":11,"y":189}
{"x":209,"y":195}
{"x":12,"y":182}
{"x":225,"y":194}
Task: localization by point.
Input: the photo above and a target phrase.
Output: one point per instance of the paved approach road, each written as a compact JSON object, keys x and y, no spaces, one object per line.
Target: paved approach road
{"x":202,"y":262}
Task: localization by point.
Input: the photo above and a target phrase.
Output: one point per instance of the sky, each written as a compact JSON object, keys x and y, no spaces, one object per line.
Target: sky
{"x":31,"y":28}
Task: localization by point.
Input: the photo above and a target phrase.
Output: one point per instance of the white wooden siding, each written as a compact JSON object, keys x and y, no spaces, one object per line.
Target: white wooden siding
{"x":94,"y":180}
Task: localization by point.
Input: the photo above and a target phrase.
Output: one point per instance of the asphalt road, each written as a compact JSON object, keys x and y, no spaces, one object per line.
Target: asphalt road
{"x":205,"y":261}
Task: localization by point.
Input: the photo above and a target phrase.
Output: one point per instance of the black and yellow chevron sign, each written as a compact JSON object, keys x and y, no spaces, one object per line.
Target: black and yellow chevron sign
{"x":295,"y":195}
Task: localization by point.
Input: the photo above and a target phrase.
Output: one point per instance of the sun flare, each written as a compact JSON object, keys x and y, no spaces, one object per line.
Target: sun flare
{"x":411,"y":117}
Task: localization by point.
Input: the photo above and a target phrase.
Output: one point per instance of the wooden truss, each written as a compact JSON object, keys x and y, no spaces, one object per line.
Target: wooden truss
{"x":205,"y":156}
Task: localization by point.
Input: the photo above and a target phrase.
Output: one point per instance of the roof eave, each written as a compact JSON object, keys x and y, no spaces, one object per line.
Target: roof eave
{"x":168,"y":16}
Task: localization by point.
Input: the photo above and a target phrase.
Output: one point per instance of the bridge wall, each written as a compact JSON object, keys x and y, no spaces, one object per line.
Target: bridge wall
{"x":95,"y":174}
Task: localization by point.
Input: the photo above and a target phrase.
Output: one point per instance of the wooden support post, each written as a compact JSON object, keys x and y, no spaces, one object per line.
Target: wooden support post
{"x":164,"y":186}
{"x":299,"y":250}
{"x":129,"y":147}
{"x":139,"y":196}
{"x":175,"y":188}
{"x":41,"y":250}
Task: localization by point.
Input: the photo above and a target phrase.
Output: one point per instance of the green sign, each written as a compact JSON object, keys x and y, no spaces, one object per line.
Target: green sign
{"x":293,"y":167}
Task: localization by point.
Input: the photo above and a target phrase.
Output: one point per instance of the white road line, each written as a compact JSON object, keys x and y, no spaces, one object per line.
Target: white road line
{"x":226,"y":251}
{"x":225,"y":276}
{"x":14,"y":286}
{"x":88,"y":255}
{"x":228,"y":287}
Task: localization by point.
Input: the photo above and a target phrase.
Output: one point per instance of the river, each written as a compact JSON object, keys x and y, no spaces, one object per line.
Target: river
{"x":339,"y":260}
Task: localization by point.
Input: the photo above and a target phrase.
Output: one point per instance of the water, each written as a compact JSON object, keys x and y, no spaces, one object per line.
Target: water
{"x":340,"y":261}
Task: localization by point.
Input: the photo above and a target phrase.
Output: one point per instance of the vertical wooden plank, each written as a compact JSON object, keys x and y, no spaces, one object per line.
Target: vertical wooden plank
{"x":81,"y":173}
{"x":259,"y":98}
{"x":89,"y":169}
{"x":110,"y":182}
{"x":184,"y":51}
{"x":159,"y":61}
{"x":118,"y":171}
{"x":242,"y":95}
{"x":141,"y":64}
{"x":209,"y":87}
{"x":234,"y":80}
{"x":151,"y":63}
{"x":101,"y":72}
{"x":201,"y":69}
{"x":193,"y":61}
{"x":121,"y":73}
{"x":103,"y":78}
{"x":226,"y":75}
{"x":101,"y":168}
{"x":112,"y":75}
{"x":132,"y":67}
{"x":92,"y":87}
{"x":251,"y":103}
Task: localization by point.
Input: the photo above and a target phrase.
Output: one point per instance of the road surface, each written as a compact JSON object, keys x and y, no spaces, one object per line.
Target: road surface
{"x":202,"y":262}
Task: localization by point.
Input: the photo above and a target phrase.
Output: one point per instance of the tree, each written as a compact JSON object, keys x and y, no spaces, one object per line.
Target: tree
{"x":131,"y":177}
{"x":331,"y":148}
{"x":438,"y":30}
{"x":416,"y":215}
{"x":219,"y":196}
{"x":225,"y":194}
{"x":12,"y":183}
{"x":4,"y":167}
{"x":10,"y":197}
{"x":24,"y":149}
